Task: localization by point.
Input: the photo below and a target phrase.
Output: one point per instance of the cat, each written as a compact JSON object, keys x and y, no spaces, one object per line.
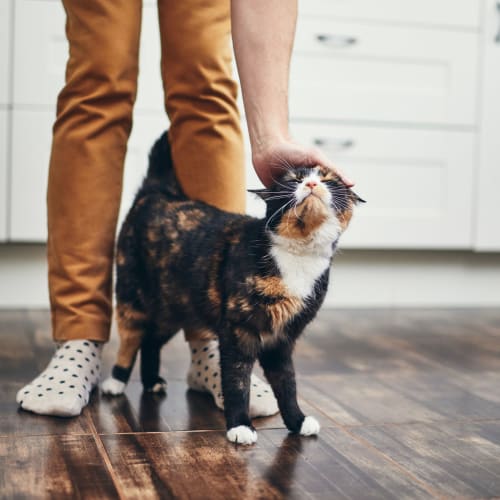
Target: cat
{"x":255,"y":283}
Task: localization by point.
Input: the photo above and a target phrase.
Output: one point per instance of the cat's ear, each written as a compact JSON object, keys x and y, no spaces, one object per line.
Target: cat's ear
{"x":356,"y":199}
{"x":261,"y":193}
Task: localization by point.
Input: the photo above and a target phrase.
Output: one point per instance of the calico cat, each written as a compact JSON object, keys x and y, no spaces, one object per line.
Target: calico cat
{"x":255,"y":283}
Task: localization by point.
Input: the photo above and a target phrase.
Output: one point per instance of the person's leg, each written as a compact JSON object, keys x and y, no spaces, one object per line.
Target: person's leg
{"x":94,"y":118}
{"x":206,"y":141}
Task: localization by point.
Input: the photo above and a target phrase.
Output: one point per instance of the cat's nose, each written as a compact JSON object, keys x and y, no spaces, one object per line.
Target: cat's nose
{"x":311,"y":184}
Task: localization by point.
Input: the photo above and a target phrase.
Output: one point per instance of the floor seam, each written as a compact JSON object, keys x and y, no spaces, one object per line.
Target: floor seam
{"x":385,"y":457}
{"x":101,"y":449}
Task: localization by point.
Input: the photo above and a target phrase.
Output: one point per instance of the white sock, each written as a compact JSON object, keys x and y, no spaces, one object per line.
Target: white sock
{"x":64,"y":387}
{"x":204,"y":375}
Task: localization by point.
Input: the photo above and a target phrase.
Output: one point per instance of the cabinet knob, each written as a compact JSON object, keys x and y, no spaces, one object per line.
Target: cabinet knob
{"x":336,"y":41}
{"x":322,"y":142}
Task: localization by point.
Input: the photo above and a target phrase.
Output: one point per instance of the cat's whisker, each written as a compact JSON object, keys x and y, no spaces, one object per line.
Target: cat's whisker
{"x":276,"y":212}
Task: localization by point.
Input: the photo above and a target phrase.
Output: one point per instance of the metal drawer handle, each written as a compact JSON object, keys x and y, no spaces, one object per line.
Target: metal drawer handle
{"x":334,"y":143}
{"x":336,"y":41}
{"x":497,"y":38}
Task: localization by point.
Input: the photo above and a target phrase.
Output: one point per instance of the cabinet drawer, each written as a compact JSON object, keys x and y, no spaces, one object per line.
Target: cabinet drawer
{"x":355,"y":71}
{"x":464,"y":13}
{"x":3,"y":175}
{"x":40,"y":52}
{"x":5,"y":26}
{"x":44,"y":62}
{"x":418,"y":184}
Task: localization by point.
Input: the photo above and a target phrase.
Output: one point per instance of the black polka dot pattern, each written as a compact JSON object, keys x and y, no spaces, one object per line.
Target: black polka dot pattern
{"x":77,"y":370}
{"x":204,"y":372}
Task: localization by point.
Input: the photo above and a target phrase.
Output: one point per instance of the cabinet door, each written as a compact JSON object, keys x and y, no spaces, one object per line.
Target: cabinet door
{"x":417,"y":183}
{"x":147,"y":128}
{"x":31,"y":141}
{"x":5,"y":26}
{"x":31,"y":152}
{"x":488,"y":198}
{"x":450,"y":13}
{"x":3,"y":175}
{"x":150,"y":88}
{"x":40,"y":52}
{"x":355,"y":71}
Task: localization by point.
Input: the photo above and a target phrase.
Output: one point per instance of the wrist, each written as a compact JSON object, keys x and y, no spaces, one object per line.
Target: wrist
{"x":265,"y":140}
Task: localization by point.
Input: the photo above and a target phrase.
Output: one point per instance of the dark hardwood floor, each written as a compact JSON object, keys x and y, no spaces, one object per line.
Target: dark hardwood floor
{"x":409,"y":402}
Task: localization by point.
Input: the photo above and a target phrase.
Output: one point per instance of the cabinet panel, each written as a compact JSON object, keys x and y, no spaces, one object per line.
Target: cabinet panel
{"x":3,"y":175}
{"x":418,"y":184}
{"x":150,"y":88}
{"x":147,"y":128}
{"x":488,"y":199}
{"x":29,"y":177}
{"x":40,"y":52}
{"x":31,"y":141}
{"x":355,"y":71}
{"x":444,"y":13}
{"x":45,"y":61}
{"x":5,"y":27}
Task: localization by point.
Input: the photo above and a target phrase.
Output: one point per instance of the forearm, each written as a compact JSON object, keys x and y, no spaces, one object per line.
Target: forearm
{"x":263,"y":34}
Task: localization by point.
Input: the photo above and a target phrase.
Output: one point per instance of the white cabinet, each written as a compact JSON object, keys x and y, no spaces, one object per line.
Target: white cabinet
{"x":5,"y":34}
{"x":3,"y":175}
{"x":44,"y":62}
{"x":150,"y":90}
{"x":449,"y":13}
{"x":356,"y":71}
{"x":30,"y":159}
{"x":488,"y":192}
{"x":417,"y":183}
{"x":147,"y":128}
{"x":40,"y":53}
{"x":400,"y":94}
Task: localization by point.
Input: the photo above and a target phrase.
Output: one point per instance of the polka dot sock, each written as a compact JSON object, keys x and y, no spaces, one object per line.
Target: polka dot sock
{"x":204,"y":375}
{"x":64,"y":387}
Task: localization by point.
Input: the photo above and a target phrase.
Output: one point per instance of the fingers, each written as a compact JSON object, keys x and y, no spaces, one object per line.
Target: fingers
{"x":321,"y":159}
{"x":271,"y":163}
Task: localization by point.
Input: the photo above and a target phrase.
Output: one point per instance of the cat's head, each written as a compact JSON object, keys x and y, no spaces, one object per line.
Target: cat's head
{"x":304,"y":199}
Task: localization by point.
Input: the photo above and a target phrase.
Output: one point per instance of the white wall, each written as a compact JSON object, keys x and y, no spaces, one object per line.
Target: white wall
{"x":359,"y":279}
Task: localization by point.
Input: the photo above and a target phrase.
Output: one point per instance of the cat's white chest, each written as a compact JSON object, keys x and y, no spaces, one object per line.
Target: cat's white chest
{"x":301,"y":265}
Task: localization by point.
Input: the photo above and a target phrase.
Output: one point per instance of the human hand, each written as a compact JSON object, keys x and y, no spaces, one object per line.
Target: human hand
{"x":270,"y":160}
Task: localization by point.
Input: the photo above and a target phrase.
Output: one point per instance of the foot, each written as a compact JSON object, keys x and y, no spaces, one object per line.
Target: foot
{"x":204,"y":375}
{"x":242,"y":435}
{"x":63,"y":388}
{"x":310,"y":427}
{"x":113,"y":386}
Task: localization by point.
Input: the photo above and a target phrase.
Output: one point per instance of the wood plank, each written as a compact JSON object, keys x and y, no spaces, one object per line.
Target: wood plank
{"x":53,"y":467}
{"x":179,"y":409}
{"x":204,"y":465}
{"x":458,"y":459}
{"x":17,"y":422}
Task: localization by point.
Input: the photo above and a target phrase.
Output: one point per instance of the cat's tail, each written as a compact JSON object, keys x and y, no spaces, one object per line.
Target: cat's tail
{"x":161,"y":177}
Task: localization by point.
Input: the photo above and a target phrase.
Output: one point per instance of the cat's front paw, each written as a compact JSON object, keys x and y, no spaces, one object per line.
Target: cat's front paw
{"x":113,"y":386}
{"x":242,"y":435}
{"x":310,"y":427}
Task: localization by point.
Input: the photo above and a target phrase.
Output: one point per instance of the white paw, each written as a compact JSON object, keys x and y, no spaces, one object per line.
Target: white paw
{"x":242,"y":435}
{"x":310,"y":427}
{"x":113,"y":386}
{"x":159,"y":387}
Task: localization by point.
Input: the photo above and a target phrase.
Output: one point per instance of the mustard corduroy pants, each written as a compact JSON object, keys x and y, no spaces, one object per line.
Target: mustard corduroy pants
{"x":94,"y":119}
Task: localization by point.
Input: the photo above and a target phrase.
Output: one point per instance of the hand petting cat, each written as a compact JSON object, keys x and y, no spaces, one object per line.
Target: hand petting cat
{"x":272,"y":158}
{"x":265,"y":86}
